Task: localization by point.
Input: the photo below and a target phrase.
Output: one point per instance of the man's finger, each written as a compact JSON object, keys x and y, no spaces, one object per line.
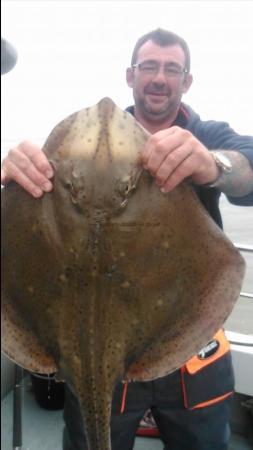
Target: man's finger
{"x":182,"y":172}
{"x":4,"y":179}
{"x":159,"y":146}
{"x":17,"y":162}
{"x":20,"y":178}
{"x":171,"y":162}
{"x":37,"y":157}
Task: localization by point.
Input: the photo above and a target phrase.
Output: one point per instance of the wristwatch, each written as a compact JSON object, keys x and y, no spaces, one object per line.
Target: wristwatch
{"x":224,"y":165}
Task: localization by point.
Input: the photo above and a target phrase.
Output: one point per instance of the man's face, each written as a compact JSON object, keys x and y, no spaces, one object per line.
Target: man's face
{"x":158,"y":93}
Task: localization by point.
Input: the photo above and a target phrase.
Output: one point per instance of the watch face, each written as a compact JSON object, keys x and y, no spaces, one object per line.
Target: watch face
{"x":223,"y":161}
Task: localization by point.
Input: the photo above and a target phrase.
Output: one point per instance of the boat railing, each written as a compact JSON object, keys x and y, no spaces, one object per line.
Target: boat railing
{"x":248,"y":249}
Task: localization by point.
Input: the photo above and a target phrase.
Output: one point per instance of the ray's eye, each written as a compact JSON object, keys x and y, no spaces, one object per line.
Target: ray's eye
{"x":127,"y":189}
{"x":125,"y":192}
{"x":124,"y":189}
{"x":68,"y":185}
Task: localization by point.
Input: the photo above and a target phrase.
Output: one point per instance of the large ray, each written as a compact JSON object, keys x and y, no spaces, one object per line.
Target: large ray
{"x":106,"y":278}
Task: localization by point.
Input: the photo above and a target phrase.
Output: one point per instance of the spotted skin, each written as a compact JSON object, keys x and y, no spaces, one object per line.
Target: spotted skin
{"x":105,"y":278}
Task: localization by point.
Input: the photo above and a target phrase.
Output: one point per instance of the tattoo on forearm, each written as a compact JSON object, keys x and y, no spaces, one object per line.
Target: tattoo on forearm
{"x":240,"y":181}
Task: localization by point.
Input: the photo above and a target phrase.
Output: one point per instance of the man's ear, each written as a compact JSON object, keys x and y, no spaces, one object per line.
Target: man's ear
{"x":130,"y":77}
{"x":187,"y":82}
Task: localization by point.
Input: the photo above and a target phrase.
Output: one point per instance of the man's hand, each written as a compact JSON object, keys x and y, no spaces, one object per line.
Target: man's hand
{"x":28,"y":166}
{"x":174,"y":154}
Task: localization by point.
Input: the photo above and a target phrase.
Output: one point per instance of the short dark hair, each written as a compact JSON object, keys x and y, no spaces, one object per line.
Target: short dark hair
{"x":162,"y":38}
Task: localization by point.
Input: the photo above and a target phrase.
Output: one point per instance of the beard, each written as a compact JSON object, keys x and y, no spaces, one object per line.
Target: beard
{"x":157,"y":111}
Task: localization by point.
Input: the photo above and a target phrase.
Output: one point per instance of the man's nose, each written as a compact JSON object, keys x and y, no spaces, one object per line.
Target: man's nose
{"x":160,"y":77}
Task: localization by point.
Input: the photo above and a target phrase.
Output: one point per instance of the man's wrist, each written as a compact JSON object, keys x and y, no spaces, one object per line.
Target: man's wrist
{"x":224,"y":166}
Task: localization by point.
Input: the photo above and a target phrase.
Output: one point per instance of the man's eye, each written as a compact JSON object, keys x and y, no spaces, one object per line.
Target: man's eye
{"x":172,"y":70}
{"x":148,"y":68}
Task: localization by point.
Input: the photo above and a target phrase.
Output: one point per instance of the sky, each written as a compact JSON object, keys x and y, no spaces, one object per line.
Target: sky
{"x":73,"y":53}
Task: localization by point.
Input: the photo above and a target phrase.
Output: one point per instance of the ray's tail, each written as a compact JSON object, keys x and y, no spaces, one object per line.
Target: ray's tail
{"x":95,"y":403}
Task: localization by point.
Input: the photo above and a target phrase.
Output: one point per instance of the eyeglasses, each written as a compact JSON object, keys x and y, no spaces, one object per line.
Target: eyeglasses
{"x":151,"y":68}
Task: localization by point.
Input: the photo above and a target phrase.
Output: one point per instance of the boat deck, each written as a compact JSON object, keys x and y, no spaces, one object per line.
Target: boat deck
{"x":42,"y":429}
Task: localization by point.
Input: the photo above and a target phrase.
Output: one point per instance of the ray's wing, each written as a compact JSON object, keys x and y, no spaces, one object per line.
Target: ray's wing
{"x":20,"y":303}
{"x":184,"y":277}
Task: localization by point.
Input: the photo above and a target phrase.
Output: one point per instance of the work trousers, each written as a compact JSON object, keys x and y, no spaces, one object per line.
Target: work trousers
{"x":181,"y":429}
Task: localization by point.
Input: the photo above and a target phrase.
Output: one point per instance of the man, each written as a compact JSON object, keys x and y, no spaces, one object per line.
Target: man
{"x":191,"y":405}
